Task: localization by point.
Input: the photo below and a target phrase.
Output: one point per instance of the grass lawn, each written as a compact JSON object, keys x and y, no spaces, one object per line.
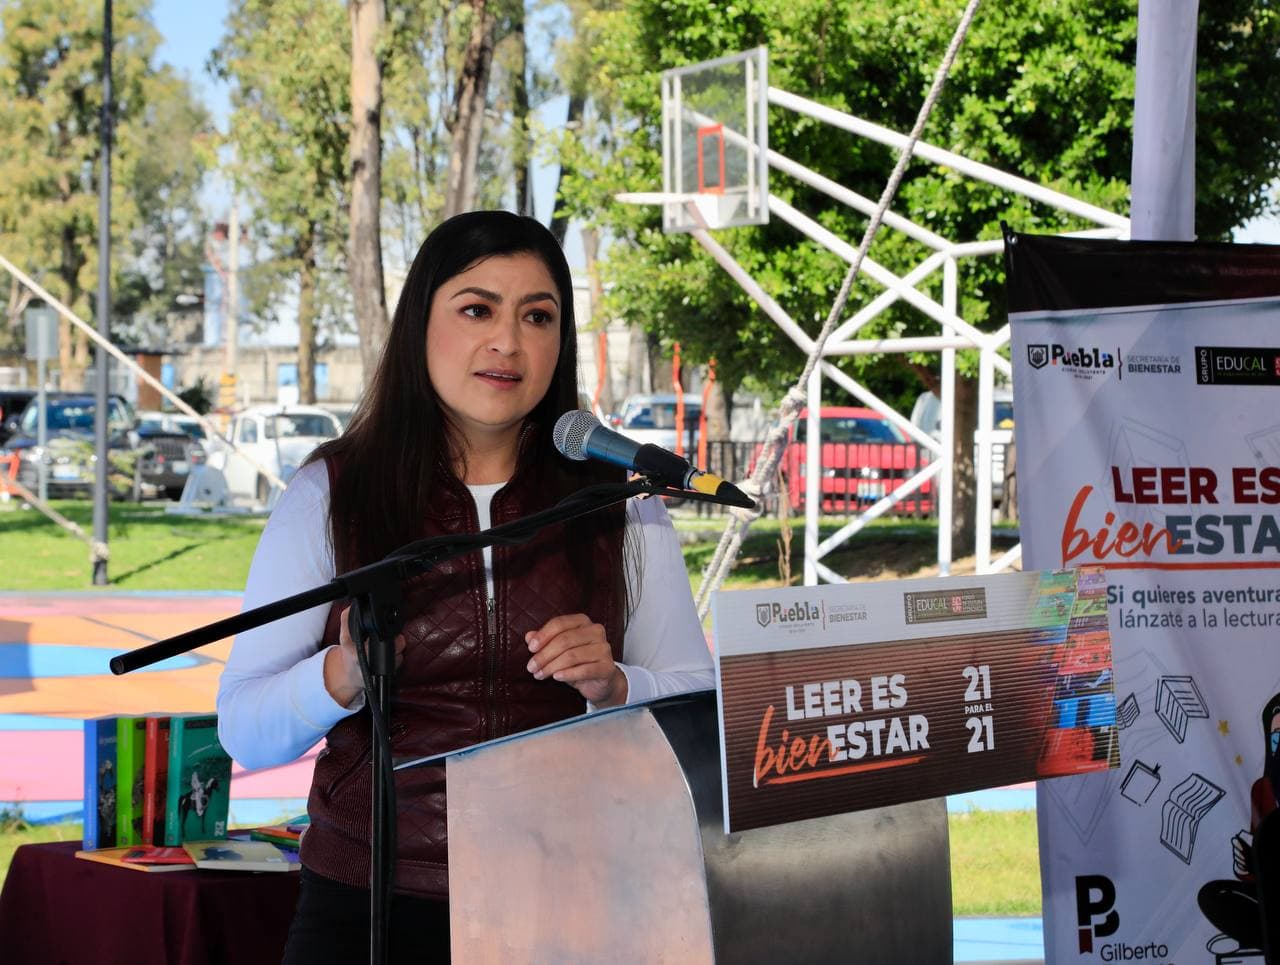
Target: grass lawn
{"x":150,"y":550}
{"x":995,"y":864}
{"x":995,"y":869}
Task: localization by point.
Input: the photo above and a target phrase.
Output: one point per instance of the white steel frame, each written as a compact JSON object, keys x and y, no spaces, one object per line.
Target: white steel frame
{"x":954,"y":332}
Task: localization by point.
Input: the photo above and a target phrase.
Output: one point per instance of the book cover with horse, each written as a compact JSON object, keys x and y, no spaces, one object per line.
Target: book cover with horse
{"x":198,"y":797}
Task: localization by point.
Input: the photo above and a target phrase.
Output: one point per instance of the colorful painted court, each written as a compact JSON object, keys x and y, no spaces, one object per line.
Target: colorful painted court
{"x":54,"y":653}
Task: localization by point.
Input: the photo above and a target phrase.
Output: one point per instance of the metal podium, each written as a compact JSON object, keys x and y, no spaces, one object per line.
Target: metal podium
{"x":601,"y":840}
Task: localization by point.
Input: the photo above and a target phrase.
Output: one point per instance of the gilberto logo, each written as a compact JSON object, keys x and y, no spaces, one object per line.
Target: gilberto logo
{"x":1097,"y":917}
{"x":1095,"y":899}
{"x":796,"y":613}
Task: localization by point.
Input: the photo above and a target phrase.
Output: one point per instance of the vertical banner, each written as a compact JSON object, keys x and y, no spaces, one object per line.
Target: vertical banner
{"x":1148,"y":442}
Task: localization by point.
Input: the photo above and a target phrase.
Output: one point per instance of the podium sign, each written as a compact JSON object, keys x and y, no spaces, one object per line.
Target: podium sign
{"x":849,"y":696}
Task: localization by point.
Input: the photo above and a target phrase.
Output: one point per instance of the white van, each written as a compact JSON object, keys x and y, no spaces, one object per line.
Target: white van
{"x":926,"y":414}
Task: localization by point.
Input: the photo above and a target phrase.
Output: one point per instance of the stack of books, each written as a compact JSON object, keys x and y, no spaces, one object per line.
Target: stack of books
{"x":157,"y":793}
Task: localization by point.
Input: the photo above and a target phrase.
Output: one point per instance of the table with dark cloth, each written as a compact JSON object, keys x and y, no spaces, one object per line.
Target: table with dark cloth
{"x":57,"y":909}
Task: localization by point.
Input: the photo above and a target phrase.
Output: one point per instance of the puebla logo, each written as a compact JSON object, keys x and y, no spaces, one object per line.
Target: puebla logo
{"x":1038,"y":356}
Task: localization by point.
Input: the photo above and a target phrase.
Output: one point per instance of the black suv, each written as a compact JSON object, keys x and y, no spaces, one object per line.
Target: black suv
{"x":68,"y":453}
{"x":12,"y":402}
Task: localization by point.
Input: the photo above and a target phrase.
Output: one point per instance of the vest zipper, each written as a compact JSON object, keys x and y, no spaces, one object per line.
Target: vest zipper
{"x":491,"y":672}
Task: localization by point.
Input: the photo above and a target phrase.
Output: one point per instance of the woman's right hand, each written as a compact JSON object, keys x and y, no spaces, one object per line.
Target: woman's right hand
{"x":342,"y":665}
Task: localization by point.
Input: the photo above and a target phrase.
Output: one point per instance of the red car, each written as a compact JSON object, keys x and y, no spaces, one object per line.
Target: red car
{"x":864,"y":457}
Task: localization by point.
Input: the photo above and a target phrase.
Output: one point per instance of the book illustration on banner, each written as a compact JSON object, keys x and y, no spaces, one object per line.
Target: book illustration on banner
{"x":1140,"y":783}
{"x":137,"y":859}
{"x":1177,"y":701}
{"x":155,"y":778}
{"x":100,"y":783}
{"x":197,"y":796}
{"x":1182,"y":813}
{"x":943,"y":686}
{"x":131,"y":746}
{"x":1127,"y":712}
{"x":234,"y":854}
{"x":1232,"y":904}
{"x":1265,"y":445}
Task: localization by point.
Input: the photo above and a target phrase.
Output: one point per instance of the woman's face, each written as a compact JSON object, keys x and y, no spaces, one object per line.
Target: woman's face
{"x":493,"y":338}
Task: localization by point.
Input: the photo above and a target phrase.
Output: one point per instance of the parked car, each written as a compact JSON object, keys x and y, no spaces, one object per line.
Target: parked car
{"x":652,"y":419}
{"x":864,"y":457}
{"x":172,"y":422}
{"x":926,"y":414}
{"x":279,"y":438}
{"x":12,"y":402}
{"x":167,"y":457}
{"x":68,"y":453}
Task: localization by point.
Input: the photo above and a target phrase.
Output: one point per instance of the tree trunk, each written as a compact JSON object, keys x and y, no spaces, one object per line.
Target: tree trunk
{"x":466,"y":122}
{"x":559,"y":218}
{"x":307,"y":322}
{"x":637,"y":362}
{"x":717,"y":413}
{"x":963,"y":521}
{"x":520,"y":117}
{"x":597,"y":322}
{"x":365,"y":239}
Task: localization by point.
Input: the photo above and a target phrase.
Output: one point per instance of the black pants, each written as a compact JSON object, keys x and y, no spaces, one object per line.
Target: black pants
{"x":331,"y":924}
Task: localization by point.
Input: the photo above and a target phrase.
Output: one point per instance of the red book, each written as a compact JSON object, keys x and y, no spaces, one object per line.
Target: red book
{"x":148,"y":854}
{"x":154,"y":779}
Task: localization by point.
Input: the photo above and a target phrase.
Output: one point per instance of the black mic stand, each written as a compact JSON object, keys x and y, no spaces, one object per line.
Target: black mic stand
{"x":375,"y":621}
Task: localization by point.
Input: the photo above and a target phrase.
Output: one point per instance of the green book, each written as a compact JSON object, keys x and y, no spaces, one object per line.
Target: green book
{"x":131,"y":750}
{"x":198,"y":797}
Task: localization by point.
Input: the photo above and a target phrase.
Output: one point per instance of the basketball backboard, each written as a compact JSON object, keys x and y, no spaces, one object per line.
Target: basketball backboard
{"x":715,"y":136}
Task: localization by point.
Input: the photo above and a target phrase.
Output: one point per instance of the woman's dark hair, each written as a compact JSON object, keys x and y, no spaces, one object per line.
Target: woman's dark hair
{"x":398,"y":438}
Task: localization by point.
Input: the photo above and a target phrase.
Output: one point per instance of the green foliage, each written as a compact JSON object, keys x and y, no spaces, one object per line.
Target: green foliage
{"x":288,"y":138}
{"x":1044,"y":91}
{"x":50,"y":159}
{"x":199,"y":396}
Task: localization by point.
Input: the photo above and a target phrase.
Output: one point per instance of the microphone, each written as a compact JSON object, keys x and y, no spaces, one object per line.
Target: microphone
{"x":579,"y":436}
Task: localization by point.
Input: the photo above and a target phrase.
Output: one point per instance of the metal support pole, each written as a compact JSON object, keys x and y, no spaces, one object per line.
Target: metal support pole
{"x":947,"y":403}
{"x":982,"y":511}
{"x":101,"y":419}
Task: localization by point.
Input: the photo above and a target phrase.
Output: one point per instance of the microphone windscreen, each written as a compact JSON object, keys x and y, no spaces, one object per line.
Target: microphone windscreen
{"x":570,"y":434}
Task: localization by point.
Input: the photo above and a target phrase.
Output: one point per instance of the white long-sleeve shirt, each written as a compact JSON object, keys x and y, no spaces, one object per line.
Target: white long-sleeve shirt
{"x":272,"y":702}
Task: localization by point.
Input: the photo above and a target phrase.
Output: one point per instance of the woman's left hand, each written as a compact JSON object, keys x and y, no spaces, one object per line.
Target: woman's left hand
{"x":573,"y":650}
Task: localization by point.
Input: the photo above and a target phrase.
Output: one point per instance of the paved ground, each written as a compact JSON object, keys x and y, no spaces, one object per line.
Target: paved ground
{"x":54,"y":649}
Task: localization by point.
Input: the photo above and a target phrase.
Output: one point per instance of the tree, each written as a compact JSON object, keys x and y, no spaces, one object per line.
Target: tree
{"x":50,"y":83}
{"x":289,"y":131}
{"x":466,"y":119}
{"x":1044,"y":91}
{"x":364,"y":256}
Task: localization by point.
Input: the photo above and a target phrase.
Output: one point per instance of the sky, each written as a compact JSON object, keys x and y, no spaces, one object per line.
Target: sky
{"x":192,"y":29}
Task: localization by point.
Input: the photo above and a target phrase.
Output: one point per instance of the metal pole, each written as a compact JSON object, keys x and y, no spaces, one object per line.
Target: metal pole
{"x":42,"y":416}
{"x":100,"y":518}
{"x":232,"y":312}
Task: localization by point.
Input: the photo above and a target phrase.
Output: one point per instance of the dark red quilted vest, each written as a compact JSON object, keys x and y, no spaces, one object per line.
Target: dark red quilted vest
{"x":464,"y":679}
